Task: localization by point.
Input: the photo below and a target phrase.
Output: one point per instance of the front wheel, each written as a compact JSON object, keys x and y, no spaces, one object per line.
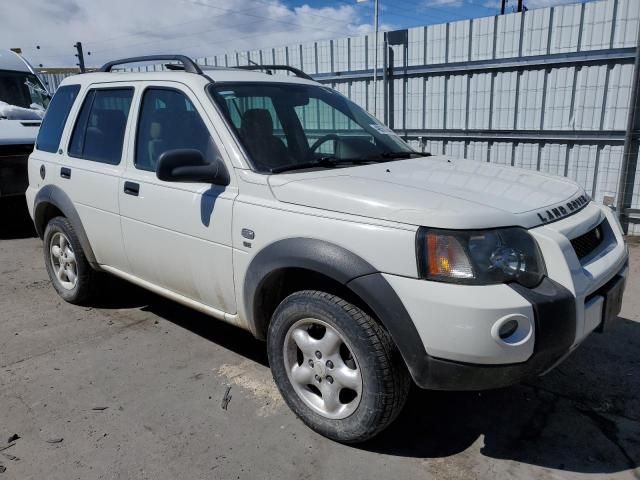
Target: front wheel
{"x":335,"y":366}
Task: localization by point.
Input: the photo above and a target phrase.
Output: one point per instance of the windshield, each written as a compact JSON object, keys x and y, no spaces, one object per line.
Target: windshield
{"x":22,"y":96}
{"x":291,"y":126}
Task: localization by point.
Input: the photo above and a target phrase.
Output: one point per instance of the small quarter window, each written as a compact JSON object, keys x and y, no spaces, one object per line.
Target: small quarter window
{"x":99,"y":131}
{"x":168,"y":121}
{"x":54,"y":120}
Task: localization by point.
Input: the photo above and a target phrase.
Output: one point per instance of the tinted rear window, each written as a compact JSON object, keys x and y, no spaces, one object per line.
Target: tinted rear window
{"x":54,"y":120}
{"x":99,"y":131}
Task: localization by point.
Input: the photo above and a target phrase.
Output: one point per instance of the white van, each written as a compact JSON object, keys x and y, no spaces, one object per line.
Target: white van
{"x":23,"y":100}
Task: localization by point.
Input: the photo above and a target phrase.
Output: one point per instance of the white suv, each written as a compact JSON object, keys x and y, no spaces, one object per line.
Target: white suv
{"x":278,"y":205}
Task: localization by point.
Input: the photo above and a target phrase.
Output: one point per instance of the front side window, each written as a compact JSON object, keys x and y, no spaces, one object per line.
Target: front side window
{"x":53,"y":124}
{"x":99,"y":131}
{"x":169,"y":121}
{"x":289,"y":126}
{"x":22,"y":96}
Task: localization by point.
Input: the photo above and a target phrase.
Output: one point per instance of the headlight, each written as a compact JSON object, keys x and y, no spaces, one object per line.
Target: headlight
{"x":479,"y":257}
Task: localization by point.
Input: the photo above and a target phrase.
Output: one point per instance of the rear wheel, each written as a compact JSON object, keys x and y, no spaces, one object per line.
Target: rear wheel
{"x":335,"y":366}
{"x":67,"y":266}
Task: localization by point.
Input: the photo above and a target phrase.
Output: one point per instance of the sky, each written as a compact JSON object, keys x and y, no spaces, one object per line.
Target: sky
{"x":46,"y":30}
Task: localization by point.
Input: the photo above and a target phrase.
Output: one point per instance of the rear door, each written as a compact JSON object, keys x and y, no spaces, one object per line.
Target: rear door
{"x":177,"y":235}
{"x":44,"y":162}
{"x":92,"y":165}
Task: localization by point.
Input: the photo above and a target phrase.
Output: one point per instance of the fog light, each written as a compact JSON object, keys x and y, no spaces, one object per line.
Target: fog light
{"x":507,"y":329}
{"x":512,"y":330}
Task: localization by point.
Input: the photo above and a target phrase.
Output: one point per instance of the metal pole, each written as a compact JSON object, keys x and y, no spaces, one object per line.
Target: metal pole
{"x":631,"y":147}
{"x":375,"y":59}
{"x":391,"y":99}
{"x":405,"y":88}
{"x":385,"y":82}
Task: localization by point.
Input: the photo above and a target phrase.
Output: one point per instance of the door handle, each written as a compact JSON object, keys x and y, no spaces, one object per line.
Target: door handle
{"x":65,"y":172}
{"x":131,"y":188}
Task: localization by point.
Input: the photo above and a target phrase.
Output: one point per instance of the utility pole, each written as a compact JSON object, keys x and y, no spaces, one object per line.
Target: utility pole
{"x":504,"y":4}
{"x":519,"y":5}
{"x":375,"y":58}
{"x":80,"y":55}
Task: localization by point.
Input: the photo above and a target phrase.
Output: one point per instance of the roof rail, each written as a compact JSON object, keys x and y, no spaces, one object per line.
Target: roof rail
{"x":296,"y":71}
{"x":189,"y":65}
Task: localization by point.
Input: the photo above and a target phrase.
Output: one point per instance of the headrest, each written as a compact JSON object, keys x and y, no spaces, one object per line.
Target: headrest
{"x":257,"y":119}
{"x":155,"y":130}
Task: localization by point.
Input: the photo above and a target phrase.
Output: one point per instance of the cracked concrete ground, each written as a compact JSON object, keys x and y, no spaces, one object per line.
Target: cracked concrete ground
{"x":133,"y":389}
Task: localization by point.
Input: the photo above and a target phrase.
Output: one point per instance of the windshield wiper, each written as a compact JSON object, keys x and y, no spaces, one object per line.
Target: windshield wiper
{"x":330,"y":161}
{"x":397,"y":155}
{"x":326,"y":162}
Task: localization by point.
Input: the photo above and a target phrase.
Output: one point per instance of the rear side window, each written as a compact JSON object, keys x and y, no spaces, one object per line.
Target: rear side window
{"x":53,"y":124}
{"x":168,"y":121}
{"x":99,"y":131}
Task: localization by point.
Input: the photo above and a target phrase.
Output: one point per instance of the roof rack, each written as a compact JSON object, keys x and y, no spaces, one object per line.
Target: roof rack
{"x":189,"y":65}
{"x":267,"y":68}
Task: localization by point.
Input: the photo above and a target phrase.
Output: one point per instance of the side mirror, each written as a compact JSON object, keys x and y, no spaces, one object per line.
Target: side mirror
{"x":189,"y":165}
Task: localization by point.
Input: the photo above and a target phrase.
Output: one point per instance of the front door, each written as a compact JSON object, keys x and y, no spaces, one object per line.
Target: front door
{"x":177,"y":235}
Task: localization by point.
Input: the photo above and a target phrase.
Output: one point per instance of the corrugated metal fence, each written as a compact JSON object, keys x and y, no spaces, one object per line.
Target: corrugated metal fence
{"x":52,"y":77}
{"x":548,"y":89}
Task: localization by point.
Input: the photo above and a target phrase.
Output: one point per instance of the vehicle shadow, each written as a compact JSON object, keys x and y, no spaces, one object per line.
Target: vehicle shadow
{"x":221,"y":333}
{"x":582,"y":417}
{"x":15,"y":221}
{"x":120,"y":294}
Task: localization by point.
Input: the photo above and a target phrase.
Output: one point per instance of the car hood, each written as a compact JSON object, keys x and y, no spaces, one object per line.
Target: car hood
{"x":435,"y":191}
{"x":18,"y":132}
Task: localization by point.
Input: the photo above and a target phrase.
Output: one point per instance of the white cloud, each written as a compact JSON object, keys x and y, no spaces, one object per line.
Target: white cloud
{"x":445,"y":3}
{"x":121,"y":28}
{"x":492,"y":4}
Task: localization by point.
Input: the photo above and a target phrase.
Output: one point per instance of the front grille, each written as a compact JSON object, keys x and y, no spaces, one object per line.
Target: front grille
{"x":16,"y":150}
{"x":14,"y":177}
{"x":587,"y":243}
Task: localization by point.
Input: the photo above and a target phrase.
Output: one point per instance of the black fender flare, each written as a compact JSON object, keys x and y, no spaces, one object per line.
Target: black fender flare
{"x":55,"y":196}
{"x":348,"y":269}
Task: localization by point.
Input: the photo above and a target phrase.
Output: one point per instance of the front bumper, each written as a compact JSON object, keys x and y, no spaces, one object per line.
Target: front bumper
{"x":457,"y":323}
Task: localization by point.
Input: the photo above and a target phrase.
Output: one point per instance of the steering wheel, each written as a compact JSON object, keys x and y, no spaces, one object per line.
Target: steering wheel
{"x":321,"y":140}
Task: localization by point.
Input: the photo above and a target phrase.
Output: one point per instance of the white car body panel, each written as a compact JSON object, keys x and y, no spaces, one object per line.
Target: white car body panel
{"x":18,"y":132}
{"x":271,"y":220}
{"x":458,"y":322}
{"x":431,"y":191}
{"x":178,"y":235}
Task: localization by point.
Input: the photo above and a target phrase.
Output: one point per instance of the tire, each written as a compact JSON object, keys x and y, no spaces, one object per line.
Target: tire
{"x":365,"y":351}
{"x":76,"y":284}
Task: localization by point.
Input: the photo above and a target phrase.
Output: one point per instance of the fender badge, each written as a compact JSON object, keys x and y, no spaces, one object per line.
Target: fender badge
{"x":248,"y":234}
